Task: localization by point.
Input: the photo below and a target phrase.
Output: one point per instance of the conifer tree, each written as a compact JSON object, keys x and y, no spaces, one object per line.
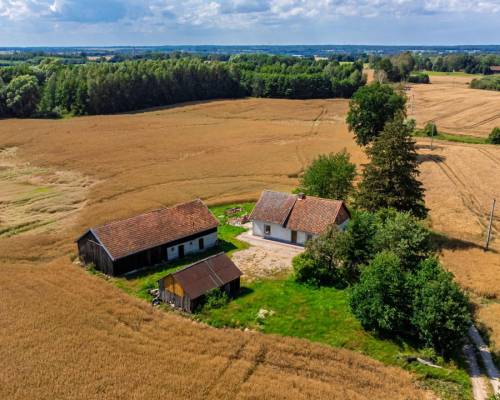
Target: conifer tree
{"x":390,"y":180}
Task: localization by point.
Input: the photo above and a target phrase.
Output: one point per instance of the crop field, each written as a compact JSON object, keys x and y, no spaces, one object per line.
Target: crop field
{"x":64,"y":330}
{"x":455,"y":107}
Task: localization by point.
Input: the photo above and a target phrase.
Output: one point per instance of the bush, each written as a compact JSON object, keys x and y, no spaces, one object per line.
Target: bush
{"x":430,"y":129}
{"x":403,"y":235}
{"x":440,"y":310}
{"x":419,"y":78}
{"x":494,"y":137}
{"x":380,"y":300}
{"x":216,"y":298}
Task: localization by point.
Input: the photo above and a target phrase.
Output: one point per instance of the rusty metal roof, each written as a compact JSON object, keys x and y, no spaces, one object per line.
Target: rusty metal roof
{"x":155,"y":228}
{"x":210,"y":273}
{"x":309,"y":214}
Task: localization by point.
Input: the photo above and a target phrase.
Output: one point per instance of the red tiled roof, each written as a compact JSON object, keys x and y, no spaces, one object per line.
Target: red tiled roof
{"x":495,"y":68}
{"x":145,"y":231}
{"x":203,"y":276}
{"x":309,"y":214}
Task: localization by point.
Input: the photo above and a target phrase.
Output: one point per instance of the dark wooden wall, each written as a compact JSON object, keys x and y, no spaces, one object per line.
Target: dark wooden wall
{"x":91,"y":251}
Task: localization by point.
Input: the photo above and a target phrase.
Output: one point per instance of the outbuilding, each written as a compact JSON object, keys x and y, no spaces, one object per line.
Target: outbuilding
{"x":148,"y":239}
{"x":296,"y":218}
{"x":186,"y":288}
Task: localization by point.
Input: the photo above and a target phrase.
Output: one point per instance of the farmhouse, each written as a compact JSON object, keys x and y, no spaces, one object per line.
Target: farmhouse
{"x":185,"y":288}
{"x":147,"y":239}
{"x":295,"y":218}
{"x":495,"y":69}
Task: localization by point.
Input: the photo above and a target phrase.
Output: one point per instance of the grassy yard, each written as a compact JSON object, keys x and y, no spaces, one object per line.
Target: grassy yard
{"x":323,"y":315}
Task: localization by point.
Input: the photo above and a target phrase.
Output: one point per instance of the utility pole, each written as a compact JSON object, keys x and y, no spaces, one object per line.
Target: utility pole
{"x":488,"y":236}
{"x":432,"y":134}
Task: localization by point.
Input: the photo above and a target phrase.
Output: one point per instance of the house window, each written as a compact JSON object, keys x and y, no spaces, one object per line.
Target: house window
{"x":267,"y":229}
{"x":201,"y":244}
{"x":308,"y":237}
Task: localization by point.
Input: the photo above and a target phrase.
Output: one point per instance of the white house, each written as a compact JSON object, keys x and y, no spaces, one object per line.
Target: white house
{"x":296,"y":218}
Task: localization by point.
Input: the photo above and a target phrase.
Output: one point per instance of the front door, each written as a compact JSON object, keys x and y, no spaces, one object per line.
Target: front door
{"x":294,"y":236}
{"x":181,"y":251}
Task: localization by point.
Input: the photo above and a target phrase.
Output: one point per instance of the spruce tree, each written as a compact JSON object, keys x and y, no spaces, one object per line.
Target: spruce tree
{"x":390,"y":180}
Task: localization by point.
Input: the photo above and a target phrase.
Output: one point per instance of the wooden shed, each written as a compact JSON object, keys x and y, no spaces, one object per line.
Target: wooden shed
{"x":148,"y":239}
{"x":186,"y":288}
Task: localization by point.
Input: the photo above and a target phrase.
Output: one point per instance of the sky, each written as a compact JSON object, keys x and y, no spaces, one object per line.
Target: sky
{"x":230,"y":22}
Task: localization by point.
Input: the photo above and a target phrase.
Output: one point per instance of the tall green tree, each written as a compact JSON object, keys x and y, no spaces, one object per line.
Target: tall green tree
{"x":22,"y":95}
{"x":390,"y":180}
{"x":371,"y":107}
{"x":380,"y":300}
{"x":440,"y":310}
{"x":330,"y":176}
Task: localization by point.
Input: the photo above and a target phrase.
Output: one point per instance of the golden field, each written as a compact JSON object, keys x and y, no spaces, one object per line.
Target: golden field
{"x":67,"y":334}
{"x":454,"y":107}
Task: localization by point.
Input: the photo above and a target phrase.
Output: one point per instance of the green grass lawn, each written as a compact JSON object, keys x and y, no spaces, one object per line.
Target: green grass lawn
{"x":323,"y":315}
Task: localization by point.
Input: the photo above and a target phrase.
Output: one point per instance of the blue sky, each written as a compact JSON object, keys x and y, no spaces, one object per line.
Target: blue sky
{"x":157,"y":22}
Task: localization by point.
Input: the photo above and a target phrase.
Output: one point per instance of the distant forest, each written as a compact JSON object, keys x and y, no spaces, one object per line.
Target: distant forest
{"x":54,"y":88}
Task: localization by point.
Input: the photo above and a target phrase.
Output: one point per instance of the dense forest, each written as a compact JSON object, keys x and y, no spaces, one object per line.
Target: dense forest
{"x":53,"y":88}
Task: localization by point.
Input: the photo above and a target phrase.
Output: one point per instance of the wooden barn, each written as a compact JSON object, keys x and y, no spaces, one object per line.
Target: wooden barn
{"x":148,"y":239}
{"x":185,"y":288}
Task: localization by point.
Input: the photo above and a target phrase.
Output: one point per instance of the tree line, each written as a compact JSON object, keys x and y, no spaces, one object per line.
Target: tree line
{"x":403,"y":66}
{"x":386,"y":256}
{"x":52,"y":88}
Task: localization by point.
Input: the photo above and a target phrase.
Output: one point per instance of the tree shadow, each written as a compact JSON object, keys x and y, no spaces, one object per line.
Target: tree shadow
{"x":421,"y":158}
{"x":442,"y":241}
{"x":427,"y":146}
{"x":175,"y":105}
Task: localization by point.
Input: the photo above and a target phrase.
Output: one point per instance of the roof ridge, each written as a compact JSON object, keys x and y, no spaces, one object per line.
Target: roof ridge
{"x":148,"y":213}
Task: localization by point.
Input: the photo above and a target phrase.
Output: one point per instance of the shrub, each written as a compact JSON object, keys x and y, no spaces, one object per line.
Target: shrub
{"x":419,"y":78}
{"x":380,"y":301}
{"x":494,"y":137}
{"x":216,"y":298}
{"x":440,"y":310}
{"x":403,"y":235}
{"x":430,"y":129}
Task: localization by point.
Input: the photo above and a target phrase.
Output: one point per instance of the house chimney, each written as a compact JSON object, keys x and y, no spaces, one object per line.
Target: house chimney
{"x":302,"y":196}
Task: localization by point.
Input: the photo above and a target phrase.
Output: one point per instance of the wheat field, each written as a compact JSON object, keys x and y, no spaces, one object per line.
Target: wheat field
{"x":67,"y":334}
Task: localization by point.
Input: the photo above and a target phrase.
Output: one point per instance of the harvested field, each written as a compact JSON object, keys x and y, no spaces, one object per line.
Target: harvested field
{"x":455,"y":107}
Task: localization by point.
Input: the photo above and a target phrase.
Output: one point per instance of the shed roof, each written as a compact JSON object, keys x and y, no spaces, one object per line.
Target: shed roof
{"x":308,"y":214}
{"x":203,"y":276}
{"x":142,"y":232}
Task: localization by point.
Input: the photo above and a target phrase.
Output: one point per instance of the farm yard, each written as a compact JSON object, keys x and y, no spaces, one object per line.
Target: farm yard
{"x":223,"y":152}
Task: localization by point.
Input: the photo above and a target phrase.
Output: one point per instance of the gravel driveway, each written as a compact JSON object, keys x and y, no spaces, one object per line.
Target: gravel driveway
{"x":264,"y":258}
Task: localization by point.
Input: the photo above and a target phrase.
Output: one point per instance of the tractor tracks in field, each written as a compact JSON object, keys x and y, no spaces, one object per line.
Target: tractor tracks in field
{"x":468,"y":198}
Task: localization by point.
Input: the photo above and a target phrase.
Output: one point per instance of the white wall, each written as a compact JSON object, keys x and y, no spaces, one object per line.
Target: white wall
{"x":192,"y":246}
{"x":277,"y":231}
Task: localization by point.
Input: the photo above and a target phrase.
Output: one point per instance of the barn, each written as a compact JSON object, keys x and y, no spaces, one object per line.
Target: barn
{"x":148,"y":239}
{"x":297,"y":218}
{"x":185,"y":289}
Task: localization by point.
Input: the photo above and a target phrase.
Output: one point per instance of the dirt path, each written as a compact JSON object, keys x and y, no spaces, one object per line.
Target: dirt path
{"x":264,"y":258}
{"x":479,"y":390}
{"x":490,"y":366}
